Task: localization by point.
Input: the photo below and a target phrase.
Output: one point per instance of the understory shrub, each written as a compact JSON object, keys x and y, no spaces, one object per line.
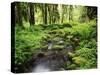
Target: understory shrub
{"x":86,"y":58}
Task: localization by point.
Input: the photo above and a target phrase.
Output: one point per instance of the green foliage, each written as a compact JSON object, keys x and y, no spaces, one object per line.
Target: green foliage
{"x":67,"y":25}
{"x":72,"y":67}
{"x":32,"y":39}
{"x":83,"y":30}
{"x":86,"y":53}
{"x":28,"y":42}
{"x":86,"y":58}
{"x":79,"y":60}
{"x":88,"y":44}
{"x":70,"y":54}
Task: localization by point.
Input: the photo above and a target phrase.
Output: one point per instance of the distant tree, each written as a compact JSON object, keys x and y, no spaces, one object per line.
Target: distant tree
{"x":45,"y":14}
{"x":25,"y":13}
{"x":65,"y":13}
{"x":70,"y":13}
{"x":32,"y":13}
{"x":55,"y":13}
{"x":88,"y":13}
{"x":50,"y":13}
{"x":18,"y":14}
{"x":91,"y":12}
{"x":83,"y":15}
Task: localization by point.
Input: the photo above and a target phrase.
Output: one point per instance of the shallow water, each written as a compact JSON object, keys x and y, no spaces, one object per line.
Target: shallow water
{"x":41,"y":68}
{"x":48,"y":63}
{"x":50,"y":60}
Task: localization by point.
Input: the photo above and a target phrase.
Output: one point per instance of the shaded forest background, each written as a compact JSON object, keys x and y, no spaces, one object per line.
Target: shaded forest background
{"x":37,"y":24}
{"x":36,"y":13}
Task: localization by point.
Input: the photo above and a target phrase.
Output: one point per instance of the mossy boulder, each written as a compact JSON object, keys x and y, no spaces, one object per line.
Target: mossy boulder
{"x":44,"y":48}
{"x":58,"y":47}
{"x":61,"y":42}
{"x":72,"y":66}
{"x":79,"y":60}
{"x":69,"y":36}
{"x":70,"y":54}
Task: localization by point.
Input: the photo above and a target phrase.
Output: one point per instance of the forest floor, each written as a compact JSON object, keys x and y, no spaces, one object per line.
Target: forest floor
{"x":56,"y":47}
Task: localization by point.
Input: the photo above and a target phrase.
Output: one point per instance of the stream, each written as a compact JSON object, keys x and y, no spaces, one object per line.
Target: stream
{"x":50,"y":60}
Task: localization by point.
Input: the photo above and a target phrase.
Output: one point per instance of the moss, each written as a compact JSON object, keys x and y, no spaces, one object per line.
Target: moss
{"x":79,"y":60}
{"x":57,"y":47}
{"x":44,"y":48}
{"x":72,"y":66}
{"x":70,"y":36}
{"x":70,"y":54}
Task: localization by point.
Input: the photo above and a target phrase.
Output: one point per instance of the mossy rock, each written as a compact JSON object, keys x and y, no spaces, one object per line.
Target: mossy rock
{"x":69,"y":36}
{"x":58,"y":32}
{"x":72,"y":66}
{"x":60,"y":43}
{"x":56,"y":39}
{"x":44,"y":47}
{"x":57,"y":47}
{"x":70,"y":54}
{"x":47,"y":37}
{"x":69,"y":66}
{"x":79,"y":60}
{"x":67,"y":42}
{"x":59,"y":40}
{"x":52,"y":32}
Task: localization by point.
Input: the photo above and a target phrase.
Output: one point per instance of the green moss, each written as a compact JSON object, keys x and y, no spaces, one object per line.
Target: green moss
{"x":72,"y":66}
{"x":70,"y":54}
{"x":78,"y":60}
{"x":57,"y":47}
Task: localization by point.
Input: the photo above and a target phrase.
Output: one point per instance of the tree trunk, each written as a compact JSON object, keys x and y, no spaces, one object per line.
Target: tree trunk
{"x":19,"y":14}
{"x":45,"y":15}
{"x":32,"y":14}
{"x":91,"y":12}
{"x":70,"y":13}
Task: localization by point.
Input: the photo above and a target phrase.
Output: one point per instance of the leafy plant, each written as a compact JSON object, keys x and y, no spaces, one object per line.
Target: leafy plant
{"x":89,"y":56}
{"x":83,"y":30}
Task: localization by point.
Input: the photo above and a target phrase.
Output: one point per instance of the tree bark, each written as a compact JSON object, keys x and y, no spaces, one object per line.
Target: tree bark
{"x":32,"y":14}
{"x":45,"y":15}
{"x":19,"y":14}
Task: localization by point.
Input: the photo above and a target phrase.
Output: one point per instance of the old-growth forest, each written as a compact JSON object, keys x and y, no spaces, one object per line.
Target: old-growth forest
{"x":55,"y":37}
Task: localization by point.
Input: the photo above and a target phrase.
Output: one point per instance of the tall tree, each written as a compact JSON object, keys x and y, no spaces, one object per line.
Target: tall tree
{"x":45,"y":14}
{"x":70,"y":13}
{"x":91,"y":12}
{"x":50,"y":13}
{"x":55,"y":13}
{"x":18,"y":14}
{"x":32,"y":13}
